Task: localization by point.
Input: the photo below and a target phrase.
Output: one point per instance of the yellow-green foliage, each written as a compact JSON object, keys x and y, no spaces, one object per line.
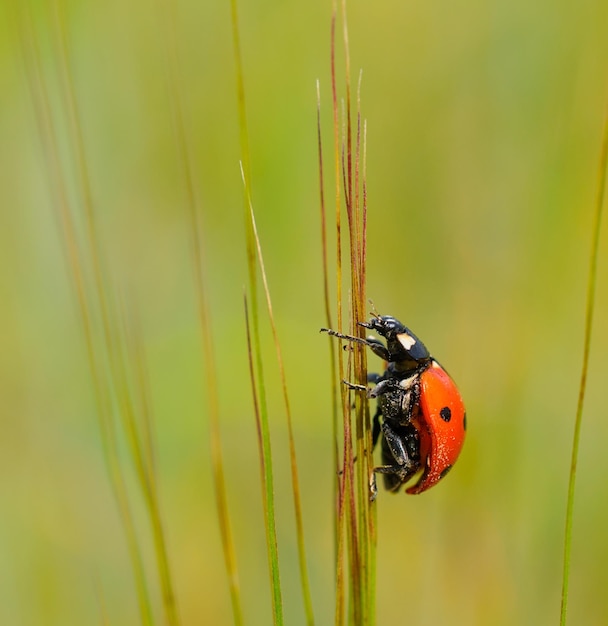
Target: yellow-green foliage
{"x":484,"y":128}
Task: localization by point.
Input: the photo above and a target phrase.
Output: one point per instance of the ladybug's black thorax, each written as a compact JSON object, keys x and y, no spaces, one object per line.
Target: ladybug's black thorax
{"x":404,"y":348}
{"x":398,"y":391}
{"x":407,"y":367}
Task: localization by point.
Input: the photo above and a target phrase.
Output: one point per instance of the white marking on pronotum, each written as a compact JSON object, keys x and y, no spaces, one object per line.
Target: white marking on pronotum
{"x":407,"y":383}
{"x":407,"y":341}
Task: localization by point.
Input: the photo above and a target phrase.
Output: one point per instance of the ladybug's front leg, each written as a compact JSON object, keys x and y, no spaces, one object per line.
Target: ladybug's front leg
{"x":377,"y":347}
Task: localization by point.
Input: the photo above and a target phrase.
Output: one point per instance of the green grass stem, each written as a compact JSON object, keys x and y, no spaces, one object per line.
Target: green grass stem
{"x":261,"y":421}
{"x":590,"y":307}
{"x":355,"y":513}
{"x":211,"y":377}
{"x":253,"y":321}
{"x":333,"y":372}
{"x":340,"y":482}
{"x":295,"y":482}
{"x":113,"y":338}
{"x":77,"y":273}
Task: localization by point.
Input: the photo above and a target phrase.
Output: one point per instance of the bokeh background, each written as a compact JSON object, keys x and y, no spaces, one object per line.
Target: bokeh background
{"x":484,"y":126}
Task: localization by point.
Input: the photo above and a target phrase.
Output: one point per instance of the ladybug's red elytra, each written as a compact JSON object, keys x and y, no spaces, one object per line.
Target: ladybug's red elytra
{"x":423,"y":416}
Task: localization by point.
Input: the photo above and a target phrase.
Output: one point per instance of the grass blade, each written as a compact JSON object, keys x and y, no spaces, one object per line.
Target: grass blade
{"x":340,"y":500}
{"x":332,"y":345}
{"x":255,"y":351}
{"x":142,"y":451}
{"x":295,"y":483}
{"x":261,"y":420}
{"x":113,"y":338}
{"x":210,"y":378}
{"x":77,"y":273}
{"x":590,"y":306}
{"x":355,"y":514}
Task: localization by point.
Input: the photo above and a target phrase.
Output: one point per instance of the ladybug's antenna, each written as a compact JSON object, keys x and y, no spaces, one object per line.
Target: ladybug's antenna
{"x":374,"y":312}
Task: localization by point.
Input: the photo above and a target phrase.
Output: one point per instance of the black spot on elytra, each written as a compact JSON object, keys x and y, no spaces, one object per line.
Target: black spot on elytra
{"x":464,"y":421}
{"x":446,"y":414}
{"x":445,"y":471}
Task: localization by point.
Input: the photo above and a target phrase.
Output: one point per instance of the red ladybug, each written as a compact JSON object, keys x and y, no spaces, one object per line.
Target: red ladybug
{"x":423,"y":415}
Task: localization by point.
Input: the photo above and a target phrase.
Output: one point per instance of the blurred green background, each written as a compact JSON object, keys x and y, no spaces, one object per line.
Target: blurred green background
{"x":484,"y":126}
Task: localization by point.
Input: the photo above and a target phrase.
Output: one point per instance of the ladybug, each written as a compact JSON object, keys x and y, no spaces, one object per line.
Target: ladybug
{"x":423,"y":416}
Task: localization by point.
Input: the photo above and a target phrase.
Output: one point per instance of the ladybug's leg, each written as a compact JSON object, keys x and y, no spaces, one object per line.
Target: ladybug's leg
{"x":401,"y":455}
{"x":371,"y":378}
{"x":384,"y":386}
{"x":396,"y":470}
{"x":376,"y":428}
{"x":354,"y":386}
{"x":335,"y":333}
{"x":396,"y":445}
{"x":377,"y":347}
{"x":394,"y":477}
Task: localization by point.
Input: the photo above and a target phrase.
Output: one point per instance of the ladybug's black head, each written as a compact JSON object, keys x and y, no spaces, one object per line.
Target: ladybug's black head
{"x":405,"y":350}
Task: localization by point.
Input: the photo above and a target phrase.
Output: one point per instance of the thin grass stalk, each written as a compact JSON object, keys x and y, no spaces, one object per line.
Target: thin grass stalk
{"x":245,"y":164}
{"x":349,"y":511}
{"x":338,"y":490}
{"x":142,"y":384}
{"x":128,"y":414}
{"x":356,"y":562}
{"x":352,"y":528}
{"x":367,"y":508}
{"x":112,"y":336}
{"x":124,"y":358}
{"x":337,"y":192}
{"x":363,"y":255}
{"x":240,"y":94}
{"x":267,"y":492}
{"x":369,"y":459}
{"x":266,"y":461}
{"x":359,"y":351}
{"x":268,"y":481}
{"x":354,"y":510}
{"x":590,"y":307}
{"x":265,"y":450}
{"x":102,"y":392}
{"x":295,"y":482}
{"x":340,"y":507}
{"x":211,"y":377}
{"x":360,"y":501}
{"x":217,"y":461}
{"x":142,"y":449}
{"x":329,"y":324}
{"x":113,"y":339}
{"x":342,"y":483}
{"x":355,"y":531}
{"x":349,"y":147}
{"x":362,"y":407}
{"x":68,"y":95}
